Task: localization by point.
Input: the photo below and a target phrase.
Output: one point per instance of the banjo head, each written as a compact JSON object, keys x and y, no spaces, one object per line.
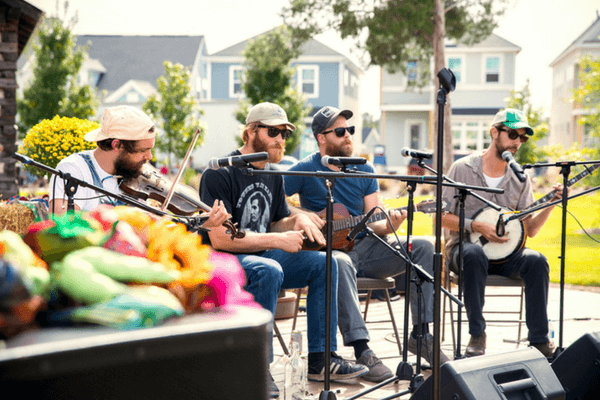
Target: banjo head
{"x":499,"y":251}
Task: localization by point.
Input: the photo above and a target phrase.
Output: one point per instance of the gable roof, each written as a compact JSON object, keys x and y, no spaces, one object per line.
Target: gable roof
{"x":310,"y":48}
{"x":588,"y":38}
{"x":492,"y":41}
{"x":138,"y":57}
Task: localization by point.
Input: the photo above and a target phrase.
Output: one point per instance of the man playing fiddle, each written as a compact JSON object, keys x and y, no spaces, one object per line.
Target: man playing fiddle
{"x":125,"y":141}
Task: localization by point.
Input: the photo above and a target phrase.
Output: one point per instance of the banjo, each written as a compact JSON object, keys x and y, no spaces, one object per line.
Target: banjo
{"x":515,"y":229}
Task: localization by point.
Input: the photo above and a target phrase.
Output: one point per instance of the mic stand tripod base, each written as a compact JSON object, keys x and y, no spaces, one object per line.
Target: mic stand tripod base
{"x":404,"y":371}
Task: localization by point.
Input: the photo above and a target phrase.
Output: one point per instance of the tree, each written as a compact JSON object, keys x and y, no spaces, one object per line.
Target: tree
{"x":529,"y":152}
{"x":268,"y":76}
{"x":391,"y":33}
{"x":587,"y":95}
{"x":54,"y":89}
{"x":369,"y":121}
{"x":174,"y":110}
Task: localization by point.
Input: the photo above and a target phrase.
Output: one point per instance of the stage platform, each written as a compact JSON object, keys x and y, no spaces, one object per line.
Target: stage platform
{"x":581,"y":315}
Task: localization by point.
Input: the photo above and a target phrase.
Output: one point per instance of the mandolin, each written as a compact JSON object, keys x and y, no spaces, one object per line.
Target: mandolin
{"x":343,"y":223}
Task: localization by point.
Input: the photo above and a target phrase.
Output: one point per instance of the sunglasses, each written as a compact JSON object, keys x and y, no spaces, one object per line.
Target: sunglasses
{"x":512,"y":135}
{"x":341,"y":132}
{"x":273,"y":132}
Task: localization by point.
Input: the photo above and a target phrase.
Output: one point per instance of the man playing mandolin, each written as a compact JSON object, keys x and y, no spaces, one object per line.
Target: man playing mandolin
{"x":509,"y":130}
{"x":369,"y":257}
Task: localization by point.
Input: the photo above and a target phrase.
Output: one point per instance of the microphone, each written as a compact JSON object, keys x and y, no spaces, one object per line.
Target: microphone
{"x":406,"y":152}
{"x":360,"y":225}
{"x":517,"y":169}
{"x":237,"y":161}
{"x":327,"y":160}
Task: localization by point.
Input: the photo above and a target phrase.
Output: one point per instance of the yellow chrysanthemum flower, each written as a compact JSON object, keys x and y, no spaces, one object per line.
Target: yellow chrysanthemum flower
{"x":52,"y":140}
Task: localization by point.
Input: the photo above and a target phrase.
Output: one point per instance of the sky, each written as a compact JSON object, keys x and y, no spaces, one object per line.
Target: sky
{"x":542,"y":28}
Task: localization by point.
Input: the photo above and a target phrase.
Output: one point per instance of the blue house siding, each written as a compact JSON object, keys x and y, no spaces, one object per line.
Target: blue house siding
{"x":328,"y":84}
{"x":220,"y":80}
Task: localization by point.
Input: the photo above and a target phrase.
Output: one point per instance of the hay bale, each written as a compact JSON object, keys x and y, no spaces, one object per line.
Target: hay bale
{"x":16,"y":218}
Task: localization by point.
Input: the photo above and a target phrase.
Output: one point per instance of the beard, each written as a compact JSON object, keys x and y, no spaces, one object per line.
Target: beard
{"x":275,"y":151}
{"x":501,"y":149}
{"x":344,"y":150}
{"x":127,"y":168}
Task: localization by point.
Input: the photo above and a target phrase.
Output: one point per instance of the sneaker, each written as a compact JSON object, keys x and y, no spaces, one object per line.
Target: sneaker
{"x":426,"y":348}
{"x":476,"y":346}
{"x":339,"y":370}
{"x":377,"y":371}
{"x":547,"y":349}
{"x":273,"y":389}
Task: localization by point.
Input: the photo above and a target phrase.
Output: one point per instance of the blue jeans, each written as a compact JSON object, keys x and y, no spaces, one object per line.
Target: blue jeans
{"x":533,"y":269}
{"x":270,"y":271}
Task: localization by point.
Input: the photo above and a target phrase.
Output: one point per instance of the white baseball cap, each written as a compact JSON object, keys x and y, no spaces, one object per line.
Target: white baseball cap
{"x":122,"y":122}
{"x":269,"y":114}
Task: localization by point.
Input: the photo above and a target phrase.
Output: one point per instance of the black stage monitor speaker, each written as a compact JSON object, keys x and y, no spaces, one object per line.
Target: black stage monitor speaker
{"x":521,"y":374}
{"x":578,"y":368}
{"x":218,"y":355}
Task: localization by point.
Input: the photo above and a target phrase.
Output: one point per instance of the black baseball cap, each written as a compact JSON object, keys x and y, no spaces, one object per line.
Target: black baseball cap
{"x":326,"y":116}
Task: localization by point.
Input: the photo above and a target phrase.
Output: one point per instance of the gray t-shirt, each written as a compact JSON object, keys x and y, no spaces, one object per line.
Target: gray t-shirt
{"x":469,"y":170}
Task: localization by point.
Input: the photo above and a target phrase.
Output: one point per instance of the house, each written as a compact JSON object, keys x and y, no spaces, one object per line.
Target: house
{"x":564,"y":116}
{"x":325,"y":76}
{"x":125,"y":69}
{"x":485,"y":76}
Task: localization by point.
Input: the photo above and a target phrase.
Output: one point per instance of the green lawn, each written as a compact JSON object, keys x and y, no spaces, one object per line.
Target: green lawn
{"x":582,"y":265}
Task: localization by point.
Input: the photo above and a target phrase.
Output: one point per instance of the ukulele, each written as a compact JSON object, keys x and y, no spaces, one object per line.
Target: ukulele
{"x":343,"y":223}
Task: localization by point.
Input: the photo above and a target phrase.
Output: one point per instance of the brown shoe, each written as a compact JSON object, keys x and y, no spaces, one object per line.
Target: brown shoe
{"x":547,"y":349}
{"x":476,"y":346}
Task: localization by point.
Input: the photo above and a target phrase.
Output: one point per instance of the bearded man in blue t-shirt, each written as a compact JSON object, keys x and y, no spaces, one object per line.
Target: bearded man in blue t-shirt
{"x":369,"y":257}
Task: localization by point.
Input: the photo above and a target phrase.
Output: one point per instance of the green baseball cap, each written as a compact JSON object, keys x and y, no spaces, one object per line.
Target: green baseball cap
{"x":514,"y":119}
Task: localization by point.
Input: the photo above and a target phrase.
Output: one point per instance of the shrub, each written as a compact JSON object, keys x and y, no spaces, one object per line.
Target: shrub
{"x":50,"y":141}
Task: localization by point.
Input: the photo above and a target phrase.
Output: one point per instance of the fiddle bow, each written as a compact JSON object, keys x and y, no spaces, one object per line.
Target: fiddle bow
{"x":179,"y":199}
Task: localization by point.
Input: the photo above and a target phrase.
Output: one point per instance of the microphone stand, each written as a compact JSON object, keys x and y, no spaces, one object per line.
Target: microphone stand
{"x":420,"y":276}
{"x":565,"y":171}
{"x":462,"y":195}
{"x":72,"y":184}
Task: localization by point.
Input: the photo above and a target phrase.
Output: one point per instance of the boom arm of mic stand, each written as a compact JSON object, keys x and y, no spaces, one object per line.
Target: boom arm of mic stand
{"x":478,"y":197}
{"x":67,"y":176}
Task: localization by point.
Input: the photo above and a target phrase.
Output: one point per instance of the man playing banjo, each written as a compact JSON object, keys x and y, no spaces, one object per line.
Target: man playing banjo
{"x":490,"y":168}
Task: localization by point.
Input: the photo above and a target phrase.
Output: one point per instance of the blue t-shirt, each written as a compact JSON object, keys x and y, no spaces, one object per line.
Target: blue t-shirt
{"x":313,"y":194}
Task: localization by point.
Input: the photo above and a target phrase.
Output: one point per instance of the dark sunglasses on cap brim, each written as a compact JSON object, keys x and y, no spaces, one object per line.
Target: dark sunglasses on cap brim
{"x":340,"y":132}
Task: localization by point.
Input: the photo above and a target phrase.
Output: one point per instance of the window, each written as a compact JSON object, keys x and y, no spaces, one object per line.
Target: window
{"x":411,"y":71}
{"x":492,"y":70}
{"x":308,"y":80}
{"x":415,"y":136}
{"x":93,"y":78}
{"x":455,"y":64}
{"x":236,"y":74}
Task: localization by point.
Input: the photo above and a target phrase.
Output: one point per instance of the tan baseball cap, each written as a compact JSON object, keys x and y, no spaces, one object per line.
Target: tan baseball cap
{"x":122,"y":122}
{"x":269,"y":114}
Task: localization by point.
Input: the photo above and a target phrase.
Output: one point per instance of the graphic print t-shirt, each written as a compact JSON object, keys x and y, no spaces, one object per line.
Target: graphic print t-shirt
{"x":254,"y":201}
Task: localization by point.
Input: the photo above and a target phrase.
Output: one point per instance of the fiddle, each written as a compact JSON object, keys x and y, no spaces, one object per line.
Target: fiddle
{"x":151,"y":184}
